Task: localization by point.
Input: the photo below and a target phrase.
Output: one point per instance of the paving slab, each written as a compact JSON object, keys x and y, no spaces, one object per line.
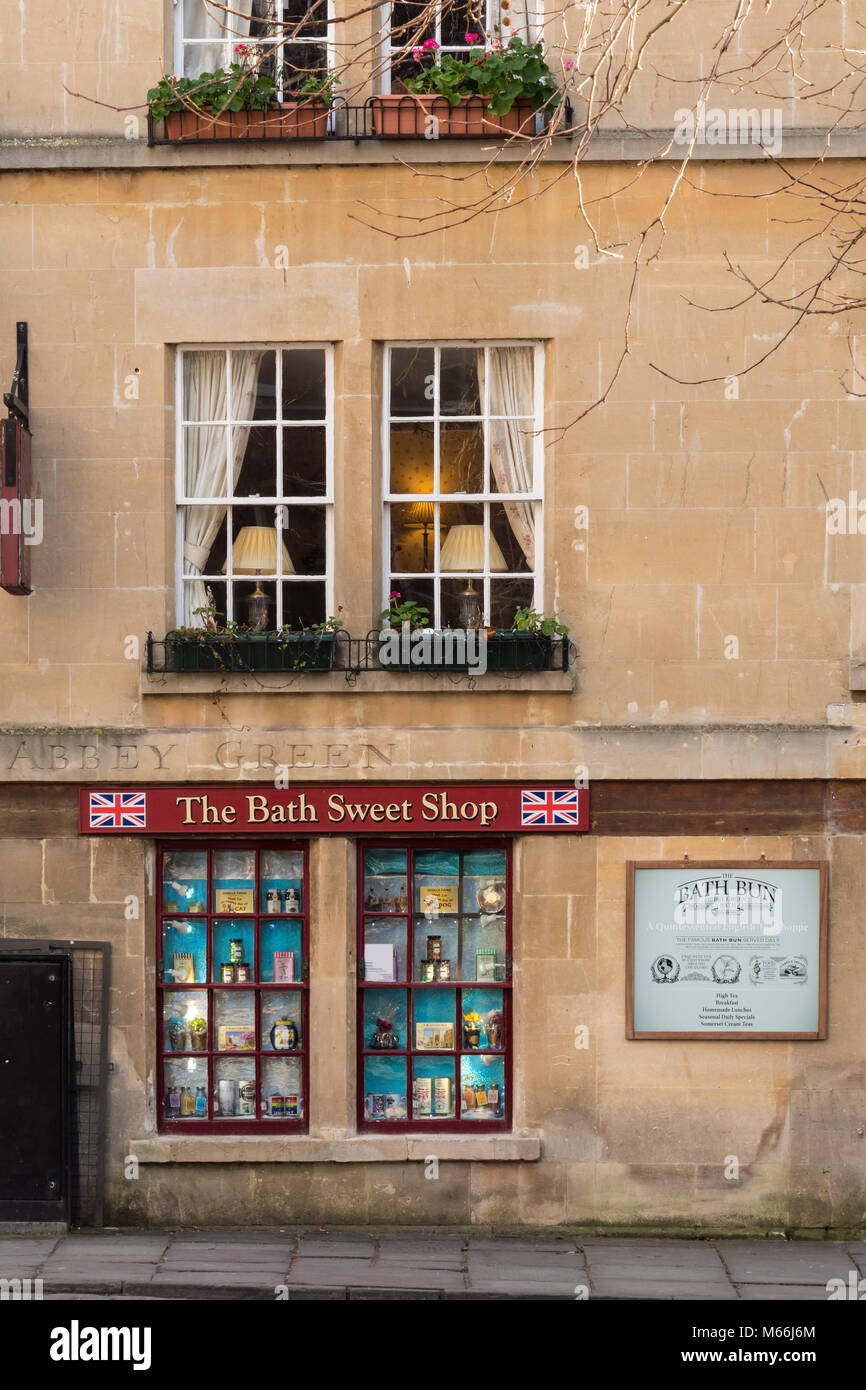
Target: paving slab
{"x":662,"y":1288}
{"x":113,"y":1273}
{"x":766,"y":1262}
{"x":807,"y":1293}
{"x":315,"y":1247}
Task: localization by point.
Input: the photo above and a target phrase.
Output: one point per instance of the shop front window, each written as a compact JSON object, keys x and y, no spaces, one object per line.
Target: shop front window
{"x":434,"y":1008}
{"x":232,"y":988}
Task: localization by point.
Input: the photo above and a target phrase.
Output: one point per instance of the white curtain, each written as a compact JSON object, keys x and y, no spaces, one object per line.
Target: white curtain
{"x":511,"y":442}
{"x":202,"y":19}
{"x":205,"y":397}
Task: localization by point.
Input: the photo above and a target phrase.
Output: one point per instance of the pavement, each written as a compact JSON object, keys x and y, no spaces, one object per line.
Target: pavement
{"x":353,"y":1264}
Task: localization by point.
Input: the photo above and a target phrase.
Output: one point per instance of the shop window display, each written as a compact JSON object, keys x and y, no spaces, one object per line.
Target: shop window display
{"x":232,"y":988}
{"x":434,"y":1012}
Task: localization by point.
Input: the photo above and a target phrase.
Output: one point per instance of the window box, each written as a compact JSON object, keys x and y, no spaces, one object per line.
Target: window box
{"x":303,"y":121}
{"x":289,"y":120}
{"x":507,"y":650}
{"x":267,"y":651}
{"x":411,"y":116}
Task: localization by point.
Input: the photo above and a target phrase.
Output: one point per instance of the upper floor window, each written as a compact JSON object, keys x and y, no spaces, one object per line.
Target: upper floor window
{"x":491,"y":19}
{"x":254,"y":485}
{"x":288,"y":38}
{"x":463,"y":481}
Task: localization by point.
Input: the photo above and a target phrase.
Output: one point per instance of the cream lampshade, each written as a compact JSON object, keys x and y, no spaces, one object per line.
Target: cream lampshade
{"x":255,"y":552}
{"x":463,"y":551}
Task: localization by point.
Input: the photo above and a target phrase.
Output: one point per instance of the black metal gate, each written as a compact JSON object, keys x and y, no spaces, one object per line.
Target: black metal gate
{"x":35,"y":1087}
{"x":88,"y":966}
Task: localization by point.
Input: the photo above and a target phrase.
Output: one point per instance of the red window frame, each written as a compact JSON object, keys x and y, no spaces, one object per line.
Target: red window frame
{"x":214,"y":1124}
{"x":409,"y":986}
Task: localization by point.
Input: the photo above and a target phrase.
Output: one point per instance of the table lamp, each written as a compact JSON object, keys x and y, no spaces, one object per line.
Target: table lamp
{"x":421,"y":514}
{"x":255,"y":552}
{"x":463,"y":550}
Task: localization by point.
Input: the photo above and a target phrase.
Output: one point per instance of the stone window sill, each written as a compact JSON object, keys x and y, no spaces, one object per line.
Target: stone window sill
{"x":362,"y":1148}
{"x":366,"y":683}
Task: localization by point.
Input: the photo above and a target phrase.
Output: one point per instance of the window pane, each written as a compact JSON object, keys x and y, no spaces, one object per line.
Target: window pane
{"x":265,"y":405}
{"x":513,"y":530}
{"x":300,"y":61}
{"x":461,"y":457}
{"x":458,"y":382}
{"x":412,"y":458}
{"x":482,"y":1087}
{"x":234,"y":947}
{"x":412,"y":527}
{"x":314,"y":14}
{"x":204,"y":385}
{"x":433,"y":1090}
{"x":459,"y":19}
{"x":385,"y":1019}
{"x":412,"y":381}
{"x":282,"y":1088}
{"x":461,"y":527}
{"x":184,"y":884}
{"x":303,"y":605}
{"x":281,"y":952}
{"x":245,"y":400}
{"x":435,"y":942}
{"x":304,"y":384}
{"x":282,"y":871}
{"x":418,"y":591}
{"x":304,"y":538}
{"x":512,"y":448}
{"x":304,"y":469}
{"x":506,"y":595}
{"x":234,"y":1087}
{"x":184,"y":952}
{"x":281,"y":1022}
{"x":384,"y":949}
{"x":186,"y":1089}
{"x":385,"y":1088}
{"x":234,"y":1020}
{"x":511,"y":380}
{"x":257,"y":448}
{"x":205,"y":450}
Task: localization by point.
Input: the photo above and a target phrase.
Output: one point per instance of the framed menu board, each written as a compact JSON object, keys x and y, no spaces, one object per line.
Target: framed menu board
{"x":727,"y":950}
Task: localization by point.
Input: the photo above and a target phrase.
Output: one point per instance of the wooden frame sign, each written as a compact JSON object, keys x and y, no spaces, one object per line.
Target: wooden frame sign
{"x":727,"y":950}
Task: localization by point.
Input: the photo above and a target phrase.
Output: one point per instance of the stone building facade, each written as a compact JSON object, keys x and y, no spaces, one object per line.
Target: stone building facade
{"x":712,"y":698}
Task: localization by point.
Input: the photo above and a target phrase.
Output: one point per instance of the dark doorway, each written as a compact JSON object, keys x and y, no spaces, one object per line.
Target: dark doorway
{"x":35,"y":1087}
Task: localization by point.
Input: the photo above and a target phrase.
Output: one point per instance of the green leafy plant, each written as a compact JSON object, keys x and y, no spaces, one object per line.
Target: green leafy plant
{"x":404,"y":611}
{"x":231,"y":89}
{"x":198,"y":1025}
{"x":316,"y":90}
{"x":528,"y":620}
{"x":504,"y":73}
{"x":331,"y":624}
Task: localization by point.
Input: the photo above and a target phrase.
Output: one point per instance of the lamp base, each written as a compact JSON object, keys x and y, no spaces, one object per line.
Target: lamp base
{"x":258,"y":606}
{"x":469,"y":613}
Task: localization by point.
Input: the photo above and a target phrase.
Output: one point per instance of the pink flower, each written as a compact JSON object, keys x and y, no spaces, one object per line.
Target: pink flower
{"x":569,"y":64}
{"x":472,"y":38}
{"x":241,"y":48}
{"x":416,"y":54}
{"x":429,"y":43}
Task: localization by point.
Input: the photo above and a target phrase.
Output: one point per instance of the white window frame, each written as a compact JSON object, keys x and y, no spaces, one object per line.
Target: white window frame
{"x":493,"y":29}
{"x":487,"y":497}
{"x":326,"y":499}
{"x":181,"y":43}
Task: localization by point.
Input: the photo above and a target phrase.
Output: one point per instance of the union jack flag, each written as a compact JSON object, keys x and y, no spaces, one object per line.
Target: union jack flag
{"x":550,"y":808}
{"x":118,"y":810}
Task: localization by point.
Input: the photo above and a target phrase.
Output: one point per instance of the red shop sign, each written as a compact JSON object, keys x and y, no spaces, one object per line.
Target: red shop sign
{"x":514,"y":807}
